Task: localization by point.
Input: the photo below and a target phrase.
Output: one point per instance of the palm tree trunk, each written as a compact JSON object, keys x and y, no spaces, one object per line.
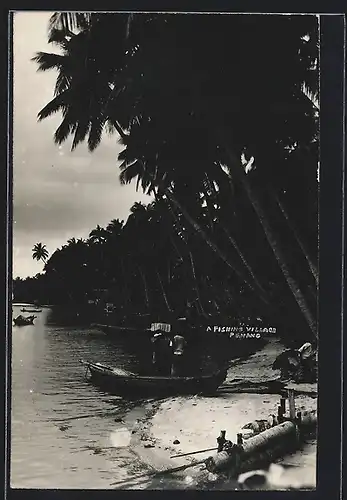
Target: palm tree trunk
{"x":212,"y":245}
{"x":233,"y":241}
{"x":163,"y":291}
{"x":312,"y":266}
{"x":144,"y":281}
{"x":208,"y":209}
{"x":213,"y":293}
{"x":204,"y":236}
{"x":176,"y":249}
{"x":244,"y":261}
{"x":195,"y":281}
{"x":192,"y":266}
{"x":272,"y":240}
{"x":125,"y":281}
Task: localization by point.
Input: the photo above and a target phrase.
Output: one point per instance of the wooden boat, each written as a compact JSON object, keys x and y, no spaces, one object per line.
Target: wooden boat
{"x":122,"y":382}
{"x":119,"y":330}
{"x":23,"y":321}
{"x":122,"y":330}
{"x":31,"y":310}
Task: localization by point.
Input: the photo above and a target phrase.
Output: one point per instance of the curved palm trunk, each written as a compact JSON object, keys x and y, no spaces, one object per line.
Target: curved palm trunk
{"x":245,"y":263}
{"x":232,"y":240}
{"x":234,"y":243}
{"x":272,"y":240}
{"x":163,"y":291}
{"x":144,"y":281}
{"x":212,"y":245}
{"x":196,"y":286}
{"x":209,"y":216}
{"x":192,"y":266}
{"x":168,"y":272}
{"x":176,"y":249}
{"x":126,"y":288}
{"x":312,"y":266}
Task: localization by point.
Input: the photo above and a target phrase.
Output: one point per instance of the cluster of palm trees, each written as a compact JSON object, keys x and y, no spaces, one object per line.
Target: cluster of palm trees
{"x":218,"y":116}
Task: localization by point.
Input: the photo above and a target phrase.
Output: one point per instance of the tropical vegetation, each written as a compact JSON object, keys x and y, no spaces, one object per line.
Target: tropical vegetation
{"x":218,"y":118}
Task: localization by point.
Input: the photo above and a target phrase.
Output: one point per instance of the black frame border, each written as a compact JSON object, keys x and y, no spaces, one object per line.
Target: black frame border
{"x":332,"y":184}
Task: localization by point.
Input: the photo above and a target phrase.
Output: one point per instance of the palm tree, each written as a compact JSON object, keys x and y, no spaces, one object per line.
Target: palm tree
{"x":40,"y":252}
{"x":69,"y":21}
{"x":81,"y":71}
{"x":98,"y":235}
{"x":115,"y":227}
{"x":181,"y":115}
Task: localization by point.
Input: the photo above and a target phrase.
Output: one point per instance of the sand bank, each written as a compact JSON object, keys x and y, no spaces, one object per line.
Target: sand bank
{"x":194,"y":422}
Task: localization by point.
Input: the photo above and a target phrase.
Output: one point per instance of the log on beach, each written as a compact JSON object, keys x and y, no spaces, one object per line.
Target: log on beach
{"x":264,"y":447}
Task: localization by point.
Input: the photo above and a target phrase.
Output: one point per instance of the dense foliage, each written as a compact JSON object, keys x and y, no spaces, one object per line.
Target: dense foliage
{"x":218,"y":118}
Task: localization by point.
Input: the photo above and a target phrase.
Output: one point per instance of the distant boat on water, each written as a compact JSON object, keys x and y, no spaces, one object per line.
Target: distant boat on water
{"x":23,"y":321}
{"x":31,"y":310}
{"x":113,"y":329}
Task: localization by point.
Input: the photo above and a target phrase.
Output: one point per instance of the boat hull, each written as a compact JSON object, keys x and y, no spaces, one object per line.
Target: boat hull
{"x":116,"y":382}
{"x":23,"y":323}
{"x":114,"y":330}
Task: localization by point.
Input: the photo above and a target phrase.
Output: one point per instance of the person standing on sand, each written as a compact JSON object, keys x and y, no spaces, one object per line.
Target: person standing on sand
{"x":308,"y":362}
{"x":161,"y":353}
{"x":185,"y":362}
{"x":178,"y":367}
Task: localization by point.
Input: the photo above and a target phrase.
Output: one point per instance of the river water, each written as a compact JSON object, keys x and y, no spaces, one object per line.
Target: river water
{"x":65,"y":432}
{"x":50,"y":446}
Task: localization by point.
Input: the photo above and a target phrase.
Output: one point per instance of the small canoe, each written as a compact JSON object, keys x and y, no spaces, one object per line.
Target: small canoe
{"x":31,"y":310}
{"x":23,"y":321}
{"x":122,"y":382}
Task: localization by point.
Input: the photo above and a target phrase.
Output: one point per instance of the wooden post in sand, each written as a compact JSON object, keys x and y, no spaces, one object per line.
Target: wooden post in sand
{"x":221,"y":440}
{"x":298,"y":422}
{"x":280,"y":414}
{"x":291,"y":397}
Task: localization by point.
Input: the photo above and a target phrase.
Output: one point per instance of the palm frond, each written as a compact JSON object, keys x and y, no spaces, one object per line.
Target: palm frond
{"x":55,"y":105}
{"x":69,"y":21}
{"x":62,"y":83}
{"x":48,"y":61}
{"x":95,"y":134}
{"x":81,"y":131}
{"x":64,"y":130}
{"x":130,"y":172}
{"x":60,"y":37}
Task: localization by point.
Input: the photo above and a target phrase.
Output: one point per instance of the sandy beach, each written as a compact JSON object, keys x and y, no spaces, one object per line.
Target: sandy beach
{"x":185,"y":424}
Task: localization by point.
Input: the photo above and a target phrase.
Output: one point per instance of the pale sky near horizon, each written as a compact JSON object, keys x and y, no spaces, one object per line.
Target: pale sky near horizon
{"x":57,"y":194}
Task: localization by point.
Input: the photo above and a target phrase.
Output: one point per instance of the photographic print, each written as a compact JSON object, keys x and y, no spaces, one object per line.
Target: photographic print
{"x":165,"y":251}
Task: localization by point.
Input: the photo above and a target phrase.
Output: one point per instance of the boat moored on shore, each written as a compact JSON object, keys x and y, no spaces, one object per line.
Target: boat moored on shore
{"x":121,"y":382}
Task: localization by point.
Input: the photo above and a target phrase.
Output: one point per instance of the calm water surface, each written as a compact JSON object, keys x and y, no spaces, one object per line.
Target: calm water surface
{"x":65,"y":432}
{"x":50,"y":447}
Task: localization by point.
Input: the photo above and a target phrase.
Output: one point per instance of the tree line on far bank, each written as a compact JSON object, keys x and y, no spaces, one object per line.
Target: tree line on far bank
{"x":219,"y":122}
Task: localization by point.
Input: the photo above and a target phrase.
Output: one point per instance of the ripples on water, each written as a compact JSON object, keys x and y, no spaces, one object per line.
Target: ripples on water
{"x":50,"y":447}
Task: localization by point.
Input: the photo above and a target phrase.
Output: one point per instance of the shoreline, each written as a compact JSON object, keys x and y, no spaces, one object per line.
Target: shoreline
{"x":194,"y":422}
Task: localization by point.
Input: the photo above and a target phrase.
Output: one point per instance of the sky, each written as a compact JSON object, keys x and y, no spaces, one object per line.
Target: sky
{"x":57,"y":194}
